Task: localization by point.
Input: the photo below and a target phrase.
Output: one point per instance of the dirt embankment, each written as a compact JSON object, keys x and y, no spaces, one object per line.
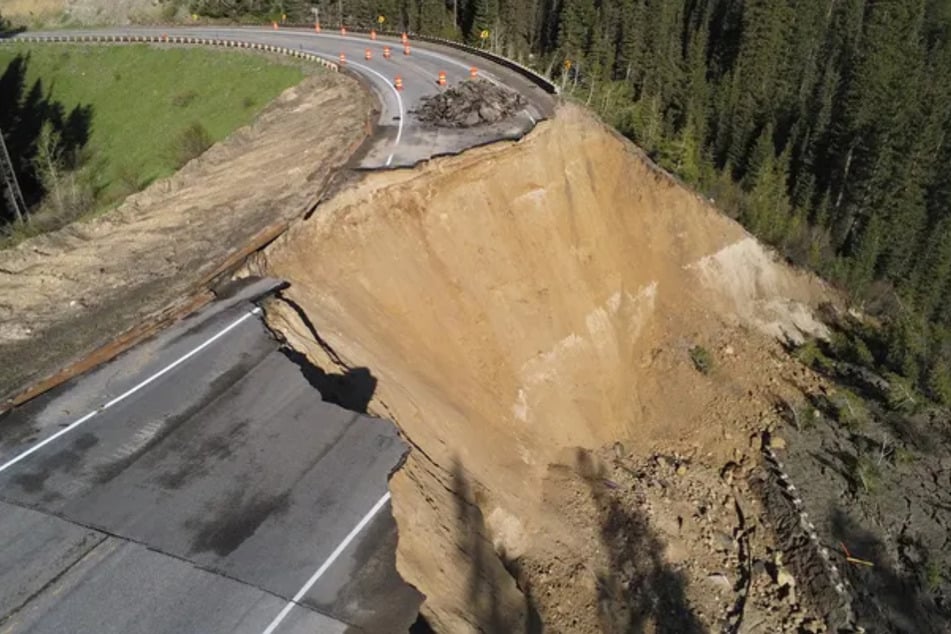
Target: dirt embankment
{"x":53,"y":12}
{"x":70,"y":291}
{"x":521,"y":305}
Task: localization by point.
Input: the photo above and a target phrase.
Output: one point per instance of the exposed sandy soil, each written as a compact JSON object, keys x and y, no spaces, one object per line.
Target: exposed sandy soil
{"x":522,"y":306}
{"x":65,"y":293}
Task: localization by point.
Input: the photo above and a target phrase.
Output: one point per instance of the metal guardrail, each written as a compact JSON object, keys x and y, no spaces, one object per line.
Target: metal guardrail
{"x":173,"y":39}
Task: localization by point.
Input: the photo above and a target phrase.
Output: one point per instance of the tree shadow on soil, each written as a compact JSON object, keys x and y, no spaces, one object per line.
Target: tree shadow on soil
{"x":639,"y":592}
{"x":23,"y":113}
{"x":8,"y":30}
{"x":884,"y":598}
{"x":494,"y":608}
{"x":352,"y":390}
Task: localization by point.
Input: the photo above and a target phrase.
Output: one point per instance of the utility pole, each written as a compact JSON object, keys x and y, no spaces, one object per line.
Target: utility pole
{"x":8,"y":178}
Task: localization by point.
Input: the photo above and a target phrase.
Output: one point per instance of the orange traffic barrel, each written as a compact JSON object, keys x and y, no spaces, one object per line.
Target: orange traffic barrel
{"x":442,"y":78}
{"x":386,"y":52}
{"x":343,"y":30}
{"x":406,"y":49}
{"x":398,"y":83}
{"x":372,"y":34}
{"x":343,"y":58}
{"x":368,"y":54}
{"x":473,"y":72}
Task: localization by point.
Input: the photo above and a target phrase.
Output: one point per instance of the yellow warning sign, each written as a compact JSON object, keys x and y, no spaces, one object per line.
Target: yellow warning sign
{"x":484,"y":35}
{"x":381,"y":19}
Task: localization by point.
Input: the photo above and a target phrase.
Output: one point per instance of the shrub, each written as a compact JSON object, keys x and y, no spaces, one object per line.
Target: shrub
{"x":811,"y":354}
{"x":130,"y":181}
{"x":170,"y":10}
{"x":848,"y":409}
{"x":866,"y":472}
{"x":808,"y":417}
{"x":904,"y":456}
{"x":702,"y":360}
{"x":183,"y":99}
{"x":72,"y":200}
{"x":933,"y":576}
{"x":853,"y":348}
{"x":190,"y":144}
{"x":939,"y":382}
{"x":901,"y":396}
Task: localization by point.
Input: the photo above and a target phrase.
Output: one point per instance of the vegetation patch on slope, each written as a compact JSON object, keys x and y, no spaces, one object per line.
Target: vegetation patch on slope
{"x":87,"y":126}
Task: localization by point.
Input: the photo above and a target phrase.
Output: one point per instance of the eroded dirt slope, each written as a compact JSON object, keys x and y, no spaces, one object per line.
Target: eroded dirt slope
{"x":75,"y":289}
{"x":520,"y":303}
{"x":32,"y":12}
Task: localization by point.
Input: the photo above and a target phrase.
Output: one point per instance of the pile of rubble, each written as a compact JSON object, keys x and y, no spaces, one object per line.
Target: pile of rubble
{"x":469,"y":104}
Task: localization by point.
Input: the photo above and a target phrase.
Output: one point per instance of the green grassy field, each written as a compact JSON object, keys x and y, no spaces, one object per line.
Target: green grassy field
{"x":143,"y":98}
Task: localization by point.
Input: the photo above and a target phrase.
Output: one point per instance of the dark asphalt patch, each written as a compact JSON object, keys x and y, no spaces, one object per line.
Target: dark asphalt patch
{"x":235,"y":522}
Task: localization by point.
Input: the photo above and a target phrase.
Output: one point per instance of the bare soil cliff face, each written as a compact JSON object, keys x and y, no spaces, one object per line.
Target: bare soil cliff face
{"x":519,"y":304}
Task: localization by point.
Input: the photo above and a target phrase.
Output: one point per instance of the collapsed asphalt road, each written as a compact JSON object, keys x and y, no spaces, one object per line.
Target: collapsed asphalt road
{"x":199,"y":483}
{"x":400,"y":140}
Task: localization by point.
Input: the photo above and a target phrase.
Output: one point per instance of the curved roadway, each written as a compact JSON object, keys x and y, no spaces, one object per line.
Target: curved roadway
{"x":401,"y":140}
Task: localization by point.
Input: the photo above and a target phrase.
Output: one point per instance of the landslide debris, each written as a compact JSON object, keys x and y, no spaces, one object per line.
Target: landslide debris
{"x":677,"y":538}
{"x":521,"y":302}
{"x":872,"y":462}
{"x":470,"y":103}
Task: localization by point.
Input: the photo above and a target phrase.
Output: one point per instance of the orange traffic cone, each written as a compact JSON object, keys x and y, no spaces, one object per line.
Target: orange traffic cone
{"x":372,"y":34}
{"x":386,"y":52}
{"x":274,"y":24}
{"x":343,"y":58}
{"x":317,"y":27}
{"x":404,"y":38}
{"x":343,"y":30}
{"x":406,"y":49}
{"x":442,"y":78}
{"x":398,"y":83}
{"x":473,"y":72}
{"x":368,"y":54}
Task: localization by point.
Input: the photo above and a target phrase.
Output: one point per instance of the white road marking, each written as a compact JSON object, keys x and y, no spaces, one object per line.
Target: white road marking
{"x":131,"y":391}
{"x":399,"y":102}
{"x":399,"y":97}
{"x":324,"y":566}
